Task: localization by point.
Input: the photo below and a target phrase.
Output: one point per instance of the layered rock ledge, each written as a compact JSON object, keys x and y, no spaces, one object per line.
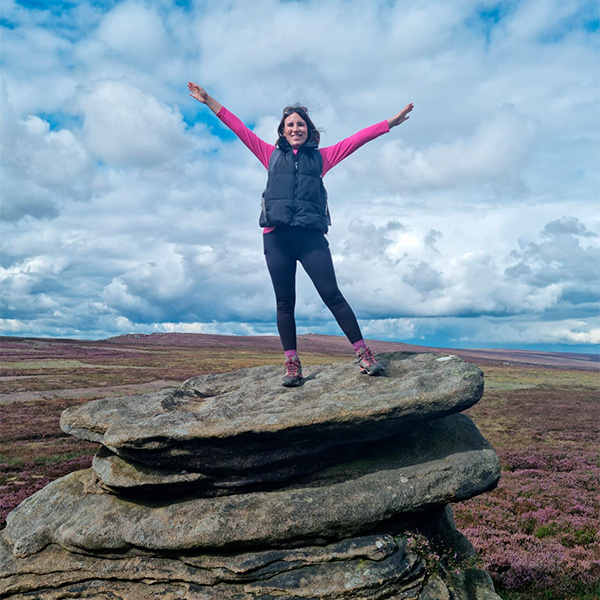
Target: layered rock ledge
{"x":444,"y":461}
{"x":220,"y":433}
{"x":232,"y":487}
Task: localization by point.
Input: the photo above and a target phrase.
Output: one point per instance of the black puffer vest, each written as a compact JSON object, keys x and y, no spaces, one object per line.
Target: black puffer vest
{"x":295,"y":194}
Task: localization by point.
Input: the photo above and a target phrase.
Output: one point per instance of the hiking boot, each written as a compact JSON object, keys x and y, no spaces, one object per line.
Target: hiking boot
{"x":367,"y":362}
{"x":293,"y":372}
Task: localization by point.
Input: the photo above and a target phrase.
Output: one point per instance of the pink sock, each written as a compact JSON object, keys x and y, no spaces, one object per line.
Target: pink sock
{"x":359,"y":345}
{"x":290,"y":353}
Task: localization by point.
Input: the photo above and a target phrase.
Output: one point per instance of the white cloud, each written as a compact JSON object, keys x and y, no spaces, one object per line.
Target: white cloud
{"x":494,"y":156}
{"x":135,"y":32}
{"x":401,"y":329}
{"x":124,"y":127}
{"x":566,"y":332}
{"x":222,"y":328}
{"x":40,"y":167}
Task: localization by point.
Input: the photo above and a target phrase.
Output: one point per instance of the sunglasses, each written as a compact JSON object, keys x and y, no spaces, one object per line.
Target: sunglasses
{"x":290,"y":110}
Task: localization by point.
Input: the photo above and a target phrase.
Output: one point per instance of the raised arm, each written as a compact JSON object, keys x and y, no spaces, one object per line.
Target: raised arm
{"x":261,"y":149}
{"x":203,"y":96}
{"x":401,"y":116}
{"x":332,"y":155}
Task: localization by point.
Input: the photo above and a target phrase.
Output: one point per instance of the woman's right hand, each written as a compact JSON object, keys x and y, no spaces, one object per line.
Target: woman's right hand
{"x":401,"y":116}
{"x":203,"y":96}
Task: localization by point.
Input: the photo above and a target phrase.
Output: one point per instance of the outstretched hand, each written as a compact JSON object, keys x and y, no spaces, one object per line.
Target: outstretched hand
{"x":401,"y":116}
{"x":203,"y":96}
{"x":197,"y":92}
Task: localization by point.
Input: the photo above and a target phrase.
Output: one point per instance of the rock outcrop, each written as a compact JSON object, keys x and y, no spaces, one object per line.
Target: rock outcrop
{"x":233,"y":487}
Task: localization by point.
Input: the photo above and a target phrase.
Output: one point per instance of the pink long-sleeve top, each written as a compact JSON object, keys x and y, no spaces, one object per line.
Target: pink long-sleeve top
{"x":332,"y":155}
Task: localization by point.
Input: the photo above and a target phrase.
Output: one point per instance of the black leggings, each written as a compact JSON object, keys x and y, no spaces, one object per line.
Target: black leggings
{"x":283,"y":248}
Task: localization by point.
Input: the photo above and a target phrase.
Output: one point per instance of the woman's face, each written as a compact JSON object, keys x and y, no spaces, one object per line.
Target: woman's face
{"x":295,"y":130}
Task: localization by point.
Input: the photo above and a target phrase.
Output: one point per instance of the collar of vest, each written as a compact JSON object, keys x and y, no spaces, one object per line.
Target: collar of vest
{"x":284,"y":145}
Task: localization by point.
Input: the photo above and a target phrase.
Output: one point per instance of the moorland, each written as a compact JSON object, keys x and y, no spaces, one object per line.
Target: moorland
{"x":536,"y":533}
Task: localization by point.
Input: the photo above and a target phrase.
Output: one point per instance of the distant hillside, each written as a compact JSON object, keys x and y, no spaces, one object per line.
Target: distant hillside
{"x":337,"y":345}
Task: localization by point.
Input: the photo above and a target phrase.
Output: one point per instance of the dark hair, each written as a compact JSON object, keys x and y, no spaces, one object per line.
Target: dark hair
{"x":313,"y":133}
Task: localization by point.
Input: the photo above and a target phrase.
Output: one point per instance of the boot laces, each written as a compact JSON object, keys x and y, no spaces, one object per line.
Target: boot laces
{"x":366,"y":355}
{"x":292,"y":366}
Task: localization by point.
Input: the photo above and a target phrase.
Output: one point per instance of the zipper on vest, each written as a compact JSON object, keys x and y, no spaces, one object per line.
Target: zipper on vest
{"x":295,"y":196}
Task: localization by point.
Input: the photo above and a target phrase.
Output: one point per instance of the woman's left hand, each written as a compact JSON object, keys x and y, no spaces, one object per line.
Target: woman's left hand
{"x":401,"y":116}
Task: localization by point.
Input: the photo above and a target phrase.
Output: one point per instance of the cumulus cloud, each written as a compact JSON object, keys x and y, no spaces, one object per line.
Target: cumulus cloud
{"x":126,"y":206}
{"x":567,"y":226}
{"x":495,"y":155}
{"x":389,"y":329}
{"x":135,"y":32}
{"x":193,"y":285}
{"x":423,"y":277}
{"x":569,"y":332}
{"x":425,"y":282}
{"x":23,"y":293}
{"x":560,"y":257}
{"x":124,"y":127}
{"x":367,"y":240}
{"x":40,"y":166}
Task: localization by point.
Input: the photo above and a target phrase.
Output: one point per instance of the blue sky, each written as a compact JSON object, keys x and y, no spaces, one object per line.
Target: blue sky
{"x":128,"y":207}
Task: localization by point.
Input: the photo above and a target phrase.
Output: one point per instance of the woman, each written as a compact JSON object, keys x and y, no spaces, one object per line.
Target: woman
{"x":295,"y":218}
